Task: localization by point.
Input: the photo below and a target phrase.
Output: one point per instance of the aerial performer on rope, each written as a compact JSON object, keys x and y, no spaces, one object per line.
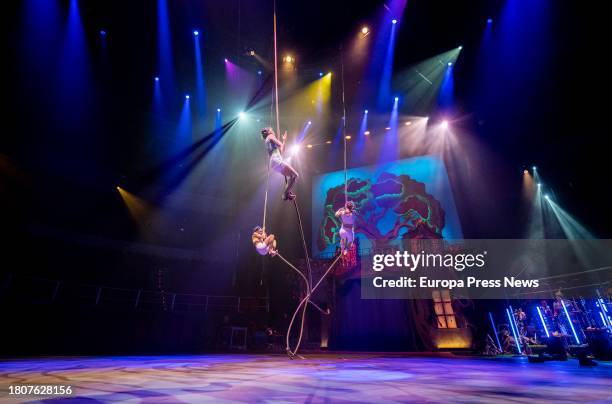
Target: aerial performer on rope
{"x":264,"y":244}
{"x":275,"y":149}
{"x":347,"y":231}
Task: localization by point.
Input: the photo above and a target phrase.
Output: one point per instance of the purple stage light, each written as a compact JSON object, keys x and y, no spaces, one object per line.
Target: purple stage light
{"x":259,"y":72}
{"x":365,"y":112}
{"x":394,"y":21}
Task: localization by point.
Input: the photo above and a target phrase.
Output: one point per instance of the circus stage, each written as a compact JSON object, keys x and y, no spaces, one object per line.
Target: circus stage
{"x":320,"y":378}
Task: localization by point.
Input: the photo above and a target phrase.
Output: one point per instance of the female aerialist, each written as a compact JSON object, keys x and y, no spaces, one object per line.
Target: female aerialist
{"x":263,"y":243}
{"x":275,"y":149}
{"x":347,"y":231}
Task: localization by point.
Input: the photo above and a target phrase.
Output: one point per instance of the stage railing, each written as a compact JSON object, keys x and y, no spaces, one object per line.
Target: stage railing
{"x":33,"y":290}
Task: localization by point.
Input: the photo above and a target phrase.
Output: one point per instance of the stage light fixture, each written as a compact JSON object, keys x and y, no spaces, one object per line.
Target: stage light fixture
{"x":365,"y":30}
{"x":396,"y":99}
{"x":539,"y":184}
{"x":288,"y":59}
{"x":241,"y":115}
{"x":102,"y":33}
{"x":525,"y":172}
{"x":294,"y":149}
{"x":546,"y":196}
{"x":186,"y":96}
{"x":444,"y":124}
{"x":328,"y":141}
{"x":259,"y":72}
{"x":348,"y":137}
{"x":218,"y":109}
{"x":225,"y":60}
{"x":450,"y":64}
{"x":196,"y":33}
{"x":252,"y":53}
{"x":309,"y":122}
{"x":320,"y":74}
{"x":309,"y":146}
{"x":394,"y":21}
{"x":534,"y":168}
{"x":365,"y":112}
{"x":156,"y":78}
{"x":367,"y":133}
{"x":408,"y":123}
{"x":490,"y":21}
{"x":388,"y":128}
{"x":460,"y":47}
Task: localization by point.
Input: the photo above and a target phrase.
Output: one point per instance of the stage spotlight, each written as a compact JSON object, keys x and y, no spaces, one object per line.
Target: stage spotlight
{"x":295,"y":149}
{"x":546,"y":196}
{"x":156,"y":78}
{"x":396,"y":99}
{"x":320,"y":74}
{"x":490,"y":21}
{"x":241,"y":115}
{"x":367,"y":133}
{"x":196,"y":33}
{"x":252,"y":53}
{"x":408,"y":123}
{"x":525,"y":172}
{"x":348,"y":137}
{"x":328,"y":141}
{"x":102,"y":33}
{"x":186,"y":96}
{"x":309,"y":122}
{"x":444,"y":124}
{"x":450,"y":64}
{"x":534,"y":168}
{"x":309,"y":146}
{"x":225,"y":60}
{"x":259,"y":72}
{"x":539,"y":184}
{"x":394,"y":21}
{"x":460,"y":47}
{"x":218,"y":109}
{"x":288,"y":59}
{"x":365,"y":30}
{"x":366,"y":111}
{"x":388,"y":128}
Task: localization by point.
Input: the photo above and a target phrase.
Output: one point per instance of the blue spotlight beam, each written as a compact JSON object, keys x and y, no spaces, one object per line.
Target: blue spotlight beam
{"x":199,"y":79}
{"x":495,"y":332}
{"x":166,"y":69}
{"x":514,"y":331}
{"x":569,"y":320}
{"x":542,"y":320}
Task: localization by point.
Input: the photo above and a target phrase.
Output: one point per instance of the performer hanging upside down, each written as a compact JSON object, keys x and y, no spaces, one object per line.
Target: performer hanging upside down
{"x":275,"y":149}
{"x":263,"y":243}
{"x":347,"y":231}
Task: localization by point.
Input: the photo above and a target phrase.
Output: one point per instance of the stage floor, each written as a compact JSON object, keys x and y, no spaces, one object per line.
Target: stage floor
{"x":321,"y":378}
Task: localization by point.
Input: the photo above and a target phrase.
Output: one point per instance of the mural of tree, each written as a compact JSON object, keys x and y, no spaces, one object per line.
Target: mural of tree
{"x":397,"y":196}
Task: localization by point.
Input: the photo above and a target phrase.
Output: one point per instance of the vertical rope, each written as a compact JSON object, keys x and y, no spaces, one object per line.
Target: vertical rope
{"x":343,"y":123}
{"x":276,"y":73}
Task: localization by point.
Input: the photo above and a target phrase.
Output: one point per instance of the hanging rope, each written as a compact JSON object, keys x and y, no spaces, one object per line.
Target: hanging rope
{"x":307,"y":279}
{"x":344,"y":125}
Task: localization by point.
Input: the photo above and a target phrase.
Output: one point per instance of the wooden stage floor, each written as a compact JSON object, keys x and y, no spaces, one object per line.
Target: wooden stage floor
{"x":347,"y":378}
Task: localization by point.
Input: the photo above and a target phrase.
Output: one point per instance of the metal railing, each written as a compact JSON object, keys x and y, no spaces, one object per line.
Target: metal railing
{"x":34,"y":290}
